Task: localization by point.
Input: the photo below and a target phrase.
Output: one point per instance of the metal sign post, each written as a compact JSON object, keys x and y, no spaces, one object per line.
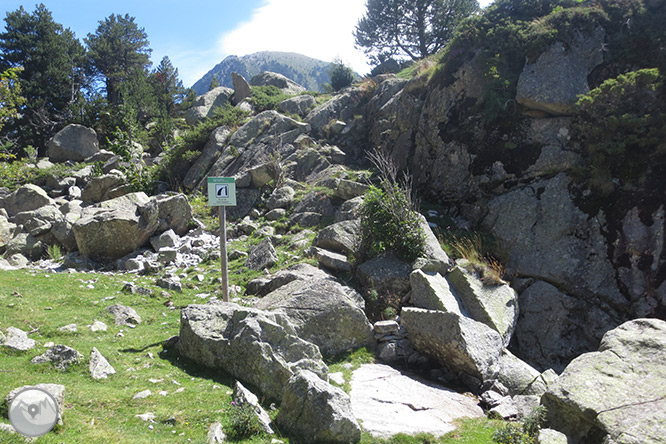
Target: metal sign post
{"x":222,"y":193}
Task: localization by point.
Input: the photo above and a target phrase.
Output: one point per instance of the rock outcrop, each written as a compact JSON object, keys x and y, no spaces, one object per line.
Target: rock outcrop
{"x":74,"y":142}
{"x":314,"y":411}
{"x":249,"y":344}
{"x":617,"y":394}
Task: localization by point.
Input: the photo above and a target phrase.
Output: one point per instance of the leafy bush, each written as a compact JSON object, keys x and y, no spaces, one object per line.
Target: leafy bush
{"x":267,"y":97}
{"x":388,"y":220}
{"x":243,"y":422}
{"x":623,"y":125}
{"x":527,"y":433}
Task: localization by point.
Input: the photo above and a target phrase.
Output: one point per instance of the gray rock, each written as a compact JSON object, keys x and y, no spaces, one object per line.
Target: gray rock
{"x":349,"y":209}
{"x":432,"y":292}
{"x":216,"y":434}
{"x":553,"y":327}
{"x":55,"y":390}
{"x":550,"y":436}
{"x":276,"y":214}
{"x":241,"y":88}
{"x":168,"y":239}
{"x":17,"y":339}
{"x":102,"y":188}
{"x":464,"y":346}
{"x":281,"y":198}
{"x":305,"y":219}
{"x":323,"y":312}
{"x":314,"y":411}
{"x":69,"y":328}
{"x":98,"y":326}
{"x":74,"y":142}
{"x":505,"y":409}
{"x":205,"y":104}
{"x":26,"y":245}
{"x":124,"y":315}
{"x":554,"y":240}
{"x":299,"y":105}
{"x":332,"y":261}
{"x":116,"y":228}
{"x":385,"y":273}
{"x":386,"y":327}
{"x":554,"y":82}
{"x":315,"y":202}
{"x":281,"y":82}
{"x":247,"y":343}
{"x":343,"y":237}
{"x":215,"y":145}
{"x":263,"y":255}
{"x":433,"y":249}
{"x":494,"y":305}
{"x":61,"y":356}
{"x":519,"y":377}
{"x":175,"y":213}
{"x":26,"y":198}
{"x":242,"y":396}
{"x":39,"y":221}
{"x":342,"y":107}
{"x":388,"y":402}
{"x":306,"y":272}
{"x":617,"y":393}
{"x":6,"y":232}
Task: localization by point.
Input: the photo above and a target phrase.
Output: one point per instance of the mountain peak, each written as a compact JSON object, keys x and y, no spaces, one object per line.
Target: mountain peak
{"x":306,"y":71}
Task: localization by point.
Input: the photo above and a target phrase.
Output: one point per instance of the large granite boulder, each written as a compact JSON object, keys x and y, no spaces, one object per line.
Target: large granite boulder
{"x":388,"y":402}
{"x":315,"y":412}
{"x":344,"y":237}
{"x":615,"y":395}
{"x":299,"y":105}
{"x":117,"y":227}
{"x":39,"y":221}
{"x":6,"y":232}
{"x":323,"y":312}
{"x":205,"y":104}
{"x":281,"y":82}
{"x":463,"y":346}
{"x":494,"y":305}
{"x":241,"y":88}
{"x":554,"y":82}
{"x":263,"y":286}
{"x":101,"y":188}
{"x":74,"y":142}
{"x":174,"y":213}
{"x":432,"y":291}
{"x":262,"y":256}
{"x":28,"y":197}
{"x":385,"y":273}
{"x":256,"y":347}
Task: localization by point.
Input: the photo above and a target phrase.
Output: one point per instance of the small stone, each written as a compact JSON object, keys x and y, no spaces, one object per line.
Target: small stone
{"x":61,"y":356}
{"x":142,"y":395}
{"x":216,"y":434}
{"x":18,"y":340}
{"x":337,"y":377}
{"x":71,"y":328}
{"x":98,"y":326}
{"x":147,"y":417}
{"x":99,"y":367}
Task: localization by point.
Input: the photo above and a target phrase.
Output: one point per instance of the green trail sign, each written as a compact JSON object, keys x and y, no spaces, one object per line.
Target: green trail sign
{"x":221,"y":191}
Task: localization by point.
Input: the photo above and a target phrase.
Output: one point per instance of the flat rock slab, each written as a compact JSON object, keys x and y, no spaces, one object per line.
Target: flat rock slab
{"x":387,"y":402}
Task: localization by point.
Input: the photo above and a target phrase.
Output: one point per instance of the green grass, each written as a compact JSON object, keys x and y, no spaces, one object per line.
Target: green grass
{"x":470,"y":431}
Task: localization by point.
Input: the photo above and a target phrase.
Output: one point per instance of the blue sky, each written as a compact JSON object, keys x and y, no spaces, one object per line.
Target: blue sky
{"x":198,"y":34}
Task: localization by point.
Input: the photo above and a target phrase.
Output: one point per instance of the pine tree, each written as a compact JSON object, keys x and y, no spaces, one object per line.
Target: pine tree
{"x":52,"y":60}
{"x":118,"y":52}
{"x":409,"y":28}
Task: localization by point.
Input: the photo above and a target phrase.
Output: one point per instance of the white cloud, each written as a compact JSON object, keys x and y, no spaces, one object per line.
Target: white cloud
{"x":316,"y":28}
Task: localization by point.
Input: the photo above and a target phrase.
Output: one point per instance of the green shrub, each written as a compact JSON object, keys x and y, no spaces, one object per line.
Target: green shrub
{"x":243,"y":422}
{"x":267,"y":97}
{"x":341,"y":75}
{"x":388,"y":220}
{"x":623,"y":126}
{"x":526,"y":433}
